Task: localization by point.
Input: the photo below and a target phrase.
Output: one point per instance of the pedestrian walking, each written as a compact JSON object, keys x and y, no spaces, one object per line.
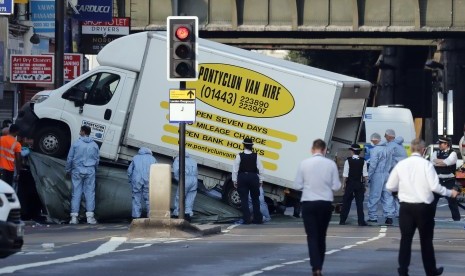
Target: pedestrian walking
{"x":139,"y":176}
{"x":355,"y":175}
{"x":10,"y":156}
{"x":81,"y":166}
{"x":378,"y":173}
{"x":317,"y":177}
{"x":415,"y":180}
{"x":247,"y":176}
{"x":190,"y":186}
{"x":444,"y":162}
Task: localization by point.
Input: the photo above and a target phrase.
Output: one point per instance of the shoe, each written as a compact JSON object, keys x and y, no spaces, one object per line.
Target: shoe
{"x":388,"y":221}
{"x":90,"y":218}
{"x":363,"y":224}
{"x":74,"y":219}
{"x":439,"y":270}
{"x":174,"y":217}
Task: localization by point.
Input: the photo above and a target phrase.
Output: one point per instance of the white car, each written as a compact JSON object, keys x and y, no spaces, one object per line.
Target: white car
{"x":434,"y":147}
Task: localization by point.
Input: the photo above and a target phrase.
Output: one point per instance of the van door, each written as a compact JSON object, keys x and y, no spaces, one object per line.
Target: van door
{"x":97,"y":101}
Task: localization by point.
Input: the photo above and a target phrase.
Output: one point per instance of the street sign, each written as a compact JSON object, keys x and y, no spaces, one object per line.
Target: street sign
{"x":118,"y":26}
{"x":83,"y":10}
{"x":6,"y":7}
{"x":43,"y":16}
{"x":32,"y":69}
{"x":182,"y":106}
{"x":72,"y":66}
{"x":95,"y":34}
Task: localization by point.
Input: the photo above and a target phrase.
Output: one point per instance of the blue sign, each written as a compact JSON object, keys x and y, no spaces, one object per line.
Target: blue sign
{"x":43,"y":16}
{"x":6,"y":7}
{"x":91,"y":10}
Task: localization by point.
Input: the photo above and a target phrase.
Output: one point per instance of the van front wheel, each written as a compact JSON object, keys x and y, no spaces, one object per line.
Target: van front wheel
{"x":52,"y":141}
{"x":231,"y":196}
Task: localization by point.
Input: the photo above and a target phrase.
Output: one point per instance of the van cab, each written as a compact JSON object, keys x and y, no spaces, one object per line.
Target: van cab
{"x":11,"y":226}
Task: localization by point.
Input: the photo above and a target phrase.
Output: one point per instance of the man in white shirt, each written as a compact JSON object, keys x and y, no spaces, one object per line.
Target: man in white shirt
{"x":444,"y":162}
{"x":317,"y":177}
{"x":416,"y":180}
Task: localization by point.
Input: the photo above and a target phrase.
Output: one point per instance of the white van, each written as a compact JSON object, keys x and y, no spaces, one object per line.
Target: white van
{"x":11,"y":226}
{"x":378,"y":119}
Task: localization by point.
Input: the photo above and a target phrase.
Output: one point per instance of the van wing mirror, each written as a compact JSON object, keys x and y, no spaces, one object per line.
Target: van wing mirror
{"x":75,"y":95}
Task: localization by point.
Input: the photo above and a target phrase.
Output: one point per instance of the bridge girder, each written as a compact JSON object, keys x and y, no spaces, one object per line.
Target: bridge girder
{"x":309,"y":22}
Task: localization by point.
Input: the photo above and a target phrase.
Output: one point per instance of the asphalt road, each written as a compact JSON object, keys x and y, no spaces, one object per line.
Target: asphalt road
{"x":275,"y":248}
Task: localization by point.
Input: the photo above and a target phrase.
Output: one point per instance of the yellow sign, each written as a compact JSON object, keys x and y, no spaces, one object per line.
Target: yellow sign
{"x":182,"y":94}
{"x":241,"y":91}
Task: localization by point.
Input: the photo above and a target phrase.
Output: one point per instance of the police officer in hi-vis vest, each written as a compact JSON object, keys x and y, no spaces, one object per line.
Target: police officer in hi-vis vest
{"x":355,"y":175}
{"x":444,"y":161}
{"x":247,"y":176}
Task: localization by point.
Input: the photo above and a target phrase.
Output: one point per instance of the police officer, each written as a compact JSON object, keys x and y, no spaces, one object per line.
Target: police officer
{"x":355,"y":174}
{"x":444,"y":161}
{"x":247,"y":176}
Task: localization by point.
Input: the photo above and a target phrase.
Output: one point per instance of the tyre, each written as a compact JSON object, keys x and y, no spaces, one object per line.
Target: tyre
{"x":52,"y":141}
{"x":231,"y":196}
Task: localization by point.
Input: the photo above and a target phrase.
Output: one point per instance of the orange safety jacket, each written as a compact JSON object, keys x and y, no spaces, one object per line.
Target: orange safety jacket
{"x":8,"y":147}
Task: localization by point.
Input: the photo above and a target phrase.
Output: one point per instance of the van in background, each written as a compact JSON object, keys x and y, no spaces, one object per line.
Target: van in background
{"x":398,"y":118}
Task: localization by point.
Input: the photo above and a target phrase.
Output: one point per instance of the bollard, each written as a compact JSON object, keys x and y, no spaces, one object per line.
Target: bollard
{"x":160,"y":191}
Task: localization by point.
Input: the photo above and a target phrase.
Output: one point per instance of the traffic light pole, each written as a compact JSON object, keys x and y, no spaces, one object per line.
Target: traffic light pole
{"x":182,"y":162}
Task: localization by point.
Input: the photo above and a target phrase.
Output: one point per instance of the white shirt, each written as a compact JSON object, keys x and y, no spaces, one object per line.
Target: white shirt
{"x":345,"y":173}
{"x":317,"y":177}
{"x":416,"y":180}
{"x":449,"y":161}
{"x":237,"y":163}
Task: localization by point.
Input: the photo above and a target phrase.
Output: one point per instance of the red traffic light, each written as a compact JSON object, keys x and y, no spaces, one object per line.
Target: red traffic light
{"x":182,"y":33}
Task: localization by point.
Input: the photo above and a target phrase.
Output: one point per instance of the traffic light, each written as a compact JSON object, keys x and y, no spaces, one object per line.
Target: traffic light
{"x":182,"y":32}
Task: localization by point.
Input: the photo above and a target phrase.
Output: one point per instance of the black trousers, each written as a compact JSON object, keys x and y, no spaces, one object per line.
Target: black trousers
{"x":449,"y":183}
{"x":8,"y":176}
{"x":357,"y":191}
{"x":411,"y":217}
{"x":249,"y":183}
{"x":316,"y":216}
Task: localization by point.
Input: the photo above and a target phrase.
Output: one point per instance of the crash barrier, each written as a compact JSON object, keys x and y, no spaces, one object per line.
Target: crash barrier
{"x":112,"y":194}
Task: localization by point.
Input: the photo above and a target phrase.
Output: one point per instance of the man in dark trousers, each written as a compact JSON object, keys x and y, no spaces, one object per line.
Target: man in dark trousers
{"x":247,"y":177}
{"x":415,"y":179}
{"x":317,"y":177}
{"x":355,"y":175}
{"x":444,"y":161}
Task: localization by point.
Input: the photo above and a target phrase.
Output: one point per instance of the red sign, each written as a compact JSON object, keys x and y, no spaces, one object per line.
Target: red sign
{"x":118,"y":26}
{"x":31,"y":69}
{"x":72,"y":66}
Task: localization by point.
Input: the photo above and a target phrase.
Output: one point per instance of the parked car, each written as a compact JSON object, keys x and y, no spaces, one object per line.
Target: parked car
{"x":434,"y":147}
{"x":11,"y":226}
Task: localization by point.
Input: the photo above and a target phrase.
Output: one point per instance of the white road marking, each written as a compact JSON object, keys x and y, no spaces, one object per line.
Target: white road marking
{"x":105,"y":248}
{"x":382,"y":234}
{"x":230,"y":228}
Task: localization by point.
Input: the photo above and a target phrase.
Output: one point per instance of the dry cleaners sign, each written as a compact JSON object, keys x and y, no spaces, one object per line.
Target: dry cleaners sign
{"x":91,"y":10}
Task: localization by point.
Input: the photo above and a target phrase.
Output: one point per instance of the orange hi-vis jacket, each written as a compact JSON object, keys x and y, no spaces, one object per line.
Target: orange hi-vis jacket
{"x":8,"y":147}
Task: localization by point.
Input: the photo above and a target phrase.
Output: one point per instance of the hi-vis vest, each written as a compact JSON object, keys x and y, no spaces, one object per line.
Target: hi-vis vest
{"x":8,"y":144}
